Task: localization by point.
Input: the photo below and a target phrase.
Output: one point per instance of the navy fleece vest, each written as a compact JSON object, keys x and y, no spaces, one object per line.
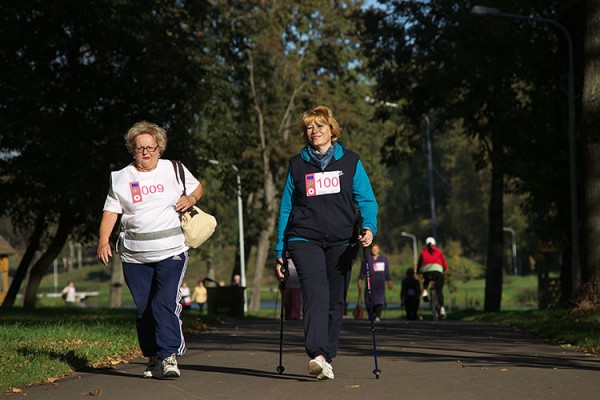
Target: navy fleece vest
{"x":326,"y":218}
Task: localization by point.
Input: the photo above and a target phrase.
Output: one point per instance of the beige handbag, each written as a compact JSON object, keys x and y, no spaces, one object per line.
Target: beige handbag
{"x":197,"y":225}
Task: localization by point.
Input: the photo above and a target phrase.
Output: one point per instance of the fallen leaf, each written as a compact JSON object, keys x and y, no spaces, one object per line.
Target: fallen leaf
{"x":15,"y":390}
{"x":95,"y":393}
{"x":353,"y":386}
{"x":504,"y":370}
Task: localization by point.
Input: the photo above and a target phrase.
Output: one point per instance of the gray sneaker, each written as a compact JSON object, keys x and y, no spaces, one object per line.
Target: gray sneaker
{"x":169,"y":368}
{"x":152,"y":368}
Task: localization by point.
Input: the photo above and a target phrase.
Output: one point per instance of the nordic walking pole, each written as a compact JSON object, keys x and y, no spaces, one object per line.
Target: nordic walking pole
{"x":283,"y":269}
{"x":376,"y":371}
{"x":276,"y":304}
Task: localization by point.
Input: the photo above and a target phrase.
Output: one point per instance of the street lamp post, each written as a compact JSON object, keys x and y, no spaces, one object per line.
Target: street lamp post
{"x":430,"y":177}
{"x":371,"y":100}
{"x":514,"y":248}
{"x":414,"y":244}
{"x":575,"y":267}
{"x":240,"y":228}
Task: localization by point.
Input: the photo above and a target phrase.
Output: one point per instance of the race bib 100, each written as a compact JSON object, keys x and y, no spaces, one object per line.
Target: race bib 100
{"x":321,"y":183}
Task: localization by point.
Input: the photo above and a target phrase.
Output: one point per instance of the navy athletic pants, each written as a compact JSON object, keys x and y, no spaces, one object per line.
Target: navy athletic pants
{"x":324,"y":274}
{"x":155,"y":291}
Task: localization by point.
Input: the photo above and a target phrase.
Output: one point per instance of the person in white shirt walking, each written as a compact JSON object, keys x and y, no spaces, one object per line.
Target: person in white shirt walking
{"x":148,"y":196}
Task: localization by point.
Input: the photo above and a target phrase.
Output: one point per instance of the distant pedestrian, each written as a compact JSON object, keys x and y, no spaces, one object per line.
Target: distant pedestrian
{"x":432,"y":265}
{"x":379,"y":269}
{"x":148,"y":195}
{"x":186,"y":298}
{"x":319,"y":226}
{"x":237,"y":281}
{"x":292,"y":295}
{"x":199,"y":296}
{"x":409,"y":294}
{"x":69,"y":294}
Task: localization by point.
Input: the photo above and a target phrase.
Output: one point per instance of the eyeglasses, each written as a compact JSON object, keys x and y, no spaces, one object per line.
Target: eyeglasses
{"x":149,"y":149}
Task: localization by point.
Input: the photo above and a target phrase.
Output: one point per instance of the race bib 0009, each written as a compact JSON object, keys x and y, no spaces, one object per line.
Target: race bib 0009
{"x":321,"y":183}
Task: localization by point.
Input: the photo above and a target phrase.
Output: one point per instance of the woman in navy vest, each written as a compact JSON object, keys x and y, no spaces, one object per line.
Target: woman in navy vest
{"x":319,"y":226}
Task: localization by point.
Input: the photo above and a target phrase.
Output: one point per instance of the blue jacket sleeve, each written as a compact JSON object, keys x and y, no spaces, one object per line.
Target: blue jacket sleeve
{"x":365,"y":198}
{"x":285,"y":208}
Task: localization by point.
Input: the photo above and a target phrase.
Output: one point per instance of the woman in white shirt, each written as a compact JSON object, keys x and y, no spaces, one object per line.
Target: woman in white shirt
{"x":148,"y":195}
{"x":69,"y":294}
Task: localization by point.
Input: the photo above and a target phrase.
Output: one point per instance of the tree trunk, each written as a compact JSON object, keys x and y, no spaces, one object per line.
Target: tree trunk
{"x":493,"y":273}
{"x":23,"y":268}
{"x":589,"y":292}
{"x":269,"y":198}
{"x":65,"y":226}
{"x":263,"y":246}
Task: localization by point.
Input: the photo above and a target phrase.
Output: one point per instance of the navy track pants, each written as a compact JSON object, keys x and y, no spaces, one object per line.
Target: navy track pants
{"x":155,"y":291}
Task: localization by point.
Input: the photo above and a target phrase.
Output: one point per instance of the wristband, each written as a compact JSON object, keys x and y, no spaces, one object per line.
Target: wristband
{"x":195,"y":198}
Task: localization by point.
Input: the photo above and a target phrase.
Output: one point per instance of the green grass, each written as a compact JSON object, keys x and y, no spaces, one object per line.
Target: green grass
{"x":41,"y":345}
{"x":49,"y":343}
{"x":580,"y":329}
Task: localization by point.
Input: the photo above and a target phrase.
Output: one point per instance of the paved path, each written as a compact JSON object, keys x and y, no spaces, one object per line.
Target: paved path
{"x":418,"y":360}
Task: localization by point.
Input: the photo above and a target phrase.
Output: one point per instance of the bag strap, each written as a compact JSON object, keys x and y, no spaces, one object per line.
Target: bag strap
{"x":177,"y":166}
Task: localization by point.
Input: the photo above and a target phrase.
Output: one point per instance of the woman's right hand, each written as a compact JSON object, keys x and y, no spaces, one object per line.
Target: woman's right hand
{"x":104,"y":253}
{"x":106,"y":226}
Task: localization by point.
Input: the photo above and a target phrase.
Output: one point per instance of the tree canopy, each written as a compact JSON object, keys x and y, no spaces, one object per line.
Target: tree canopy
{"x":229,"y":81}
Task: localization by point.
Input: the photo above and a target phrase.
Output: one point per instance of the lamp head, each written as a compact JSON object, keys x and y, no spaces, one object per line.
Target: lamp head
{"x":482,"y":10}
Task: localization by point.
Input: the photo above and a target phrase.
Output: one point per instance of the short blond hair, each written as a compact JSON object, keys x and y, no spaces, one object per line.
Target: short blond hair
{"x":319,"y":114}
{"x":158,"y":133}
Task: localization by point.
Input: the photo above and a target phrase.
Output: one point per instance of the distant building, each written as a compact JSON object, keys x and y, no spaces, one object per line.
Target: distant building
{"x":5,"y":250}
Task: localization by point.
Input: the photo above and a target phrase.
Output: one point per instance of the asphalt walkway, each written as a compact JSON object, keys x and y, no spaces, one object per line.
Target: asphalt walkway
{"x":417,"y":359}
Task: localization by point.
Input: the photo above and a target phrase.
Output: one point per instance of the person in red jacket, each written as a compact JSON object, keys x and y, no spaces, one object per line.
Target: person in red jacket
{"x":432,"y":265}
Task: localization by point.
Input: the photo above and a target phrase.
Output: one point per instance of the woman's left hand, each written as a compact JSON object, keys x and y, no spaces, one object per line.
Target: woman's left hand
{"x":184,"y":203}
{"x":366,"y":239}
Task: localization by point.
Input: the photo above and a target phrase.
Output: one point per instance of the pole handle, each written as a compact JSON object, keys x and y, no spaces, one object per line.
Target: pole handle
{"x":283,"y":267}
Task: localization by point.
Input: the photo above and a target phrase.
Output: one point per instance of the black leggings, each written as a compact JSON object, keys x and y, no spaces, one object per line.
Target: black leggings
{"x":438,"y":278}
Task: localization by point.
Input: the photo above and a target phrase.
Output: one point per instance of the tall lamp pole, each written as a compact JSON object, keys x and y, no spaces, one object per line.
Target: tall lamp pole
{"x":430,"y":177}
{"x":240,"y":228}
{"x":414,"y":244}
{"x":575,"y":267}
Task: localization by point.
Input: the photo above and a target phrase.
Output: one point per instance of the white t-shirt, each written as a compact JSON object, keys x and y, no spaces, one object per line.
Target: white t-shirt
{"x":149,"y":222}
{"x":71,"y":294}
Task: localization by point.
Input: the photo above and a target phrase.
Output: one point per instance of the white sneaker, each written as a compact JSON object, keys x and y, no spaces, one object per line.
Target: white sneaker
{"x":424,"y":295}
{"x":442,"y":312}
{"x":152,"y":367}
{"x":169,"y":368}
{"x":320,"y":368}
